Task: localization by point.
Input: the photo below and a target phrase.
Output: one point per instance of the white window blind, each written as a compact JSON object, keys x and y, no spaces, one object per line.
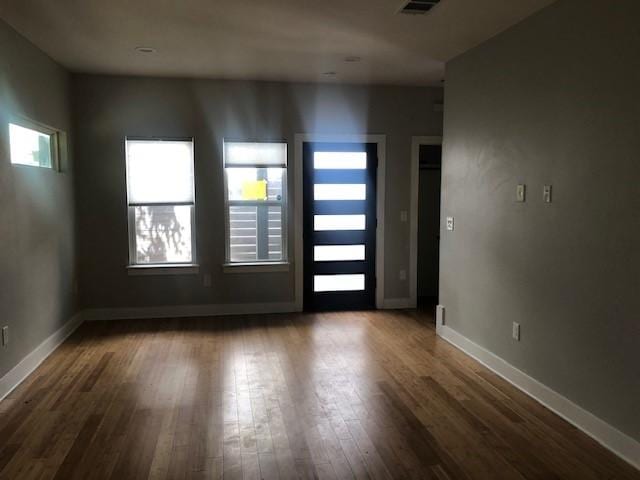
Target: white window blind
{"x":160,"y":172}
{"x":254,"y":154}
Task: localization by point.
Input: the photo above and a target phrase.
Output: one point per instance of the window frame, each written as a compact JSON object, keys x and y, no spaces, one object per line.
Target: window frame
{"x":54,"y":135}
{"x":134,"y":267}
{"x":258,"y":265}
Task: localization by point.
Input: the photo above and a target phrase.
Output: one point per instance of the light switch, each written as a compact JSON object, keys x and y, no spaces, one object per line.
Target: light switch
{"x":403,"y":216}
{"x":206,"y":280}
{"x":546,"y":193}
{"x":515,"y":331}
{"x":450,"y":223}
{"x":521,"y":192}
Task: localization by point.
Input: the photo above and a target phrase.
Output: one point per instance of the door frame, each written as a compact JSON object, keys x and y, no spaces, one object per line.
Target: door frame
{"x":413,"y":225}
{"x":300,"y":138}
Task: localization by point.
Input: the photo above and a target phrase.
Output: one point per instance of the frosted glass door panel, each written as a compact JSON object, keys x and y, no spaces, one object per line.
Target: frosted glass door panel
{"x":338,"y":283}
{"x":338,"y":253}
{"x":340,"y":191}
{"x":340,"y":160}
{"x":338,"y":222}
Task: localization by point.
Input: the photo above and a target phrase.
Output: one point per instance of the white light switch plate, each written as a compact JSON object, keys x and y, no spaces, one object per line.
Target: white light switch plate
{"x":516,"y":331}
{"x":546,"y":193}
{"x":521,"y":193}
{"x":403,"y":216}
{"x":5,"y":336}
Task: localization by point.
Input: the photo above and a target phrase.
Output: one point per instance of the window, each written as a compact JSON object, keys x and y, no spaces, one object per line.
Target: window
{"x":161,"y":201}
{"x":35,"y":147}
{"x":256,"y":191}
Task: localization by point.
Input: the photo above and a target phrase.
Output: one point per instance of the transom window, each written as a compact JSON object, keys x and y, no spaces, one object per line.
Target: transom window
{"x":34,"y":146}
{"x":256,"y":190}
{"x":161,"y":201}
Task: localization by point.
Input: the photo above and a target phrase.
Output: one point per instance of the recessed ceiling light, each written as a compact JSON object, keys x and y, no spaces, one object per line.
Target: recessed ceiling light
{"x":145,"y":50}
{"x":352,"y":59}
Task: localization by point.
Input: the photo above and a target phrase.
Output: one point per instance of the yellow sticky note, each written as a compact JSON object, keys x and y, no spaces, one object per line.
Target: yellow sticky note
{"x":254,"y":190}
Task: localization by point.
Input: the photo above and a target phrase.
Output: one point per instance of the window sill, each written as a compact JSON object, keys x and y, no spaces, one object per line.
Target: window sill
{"x":169,"y":269}
{"x":265,"y":267}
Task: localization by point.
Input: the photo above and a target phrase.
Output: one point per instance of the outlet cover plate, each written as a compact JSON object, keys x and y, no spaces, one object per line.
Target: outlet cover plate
{"x":450,"y":224}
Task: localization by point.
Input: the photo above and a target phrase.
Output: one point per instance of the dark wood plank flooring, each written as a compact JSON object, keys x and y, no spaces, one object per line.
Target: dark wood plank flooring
{"x":328,"y":396}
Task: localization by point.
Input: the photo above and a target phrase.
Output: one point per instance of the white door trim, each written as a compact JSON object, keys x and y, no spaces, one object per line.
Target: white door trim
{"x":413,"y":225}
{"x":300,"y":138}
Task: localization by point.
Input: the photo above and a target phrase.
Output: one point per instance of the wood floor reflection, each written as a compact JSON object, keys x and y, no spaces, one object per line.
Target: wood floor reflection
{"x":328,"y":396}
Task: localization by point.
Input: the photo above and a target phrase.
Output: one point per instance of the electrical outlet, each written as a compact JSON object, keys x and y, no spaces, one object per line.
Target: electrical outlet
{"x":450,"y":223}
{"x":516,"y":331}
{"x":521,"y":192}
{"x":403,"y":274}
{"x":206,"y":280}
{"x":546,"y":193}
{"x":5,"y":336}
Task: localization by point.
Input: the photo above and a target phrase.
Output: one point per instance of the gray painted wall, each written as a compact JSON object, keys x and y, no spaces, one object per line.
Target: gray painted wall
{"x":554,"y":100}
{"x":37,"y":259}
{"x":109,"y":108}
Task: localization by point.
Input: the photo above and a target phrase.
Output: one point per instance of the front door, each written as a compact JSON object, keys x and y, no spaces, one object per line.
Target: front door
{"x":339,"y":225}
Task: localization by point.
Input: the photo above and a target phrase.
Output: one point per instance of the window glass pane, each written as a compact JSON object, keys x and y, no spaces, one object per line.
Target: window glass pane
{"x":30,"y":147}
{"x":255,"y":184}
{"x":255,"y":233}
{"x":339,"y":191}
{"x":338,"y":222}
{"x":163,"y":234}
{"x":243,"y":227}
{"x":338,"y":283}
{"x":340,"y":160}
{"x":337,"y":253}
{"x":275,"y":234}
{"x":249,"y":153}
{"x":160,"y":171}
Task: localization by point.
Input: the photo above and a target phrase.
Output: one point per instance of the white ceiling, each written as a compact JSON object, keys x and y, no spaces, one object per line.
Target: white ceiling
{"x":294,"y":40}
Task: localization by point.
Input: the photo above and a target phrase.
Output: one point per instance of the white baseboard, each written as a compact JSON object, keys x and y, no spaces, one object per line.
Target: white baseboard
{"x":398,"y":303}
{"x":28,"y":364}
{"x":176,"y":311}
{"x":618,"y":442}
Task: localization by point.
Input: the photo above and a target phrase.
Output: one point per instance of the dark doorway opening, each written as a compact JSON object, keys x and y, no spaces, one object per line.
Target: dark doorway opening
{"x":429,"y":186}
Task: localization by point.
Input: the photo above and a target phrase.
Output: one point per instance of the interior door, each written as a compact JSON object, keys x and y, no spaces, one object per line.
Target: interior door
{"x":429,"y":223}
{"x":339,"y":225}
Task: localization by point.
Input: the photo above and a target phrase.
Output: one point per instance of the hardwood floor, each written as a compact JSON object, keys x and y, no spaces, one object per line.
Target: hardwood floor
{"x":328,"y":396}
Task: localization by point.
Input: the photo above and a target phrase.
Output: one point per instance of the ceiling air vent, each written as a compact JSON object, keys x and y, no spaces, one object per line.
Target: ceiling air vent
{"x":418,"y":7}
